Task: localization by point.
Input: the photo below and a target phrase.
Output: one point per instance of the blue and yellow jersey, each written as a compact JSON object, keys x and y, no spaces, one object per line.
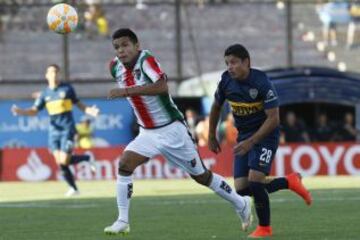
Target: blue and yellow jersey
{"x":248,"y":100}
{"x":58,"y":103}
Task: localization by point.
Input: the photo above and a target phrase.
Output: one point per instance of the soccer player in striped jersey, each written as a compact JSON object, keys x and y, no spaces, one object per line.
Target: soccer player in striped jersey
{"x":162,"y":129}
{"x":58,"y":99}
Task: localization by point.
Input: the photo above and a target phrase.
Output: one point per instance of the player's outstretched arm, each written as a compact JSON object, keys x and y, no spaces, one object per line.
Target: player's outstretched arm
{"x":92,"y":110}
{"x":213,"y":143}
{"x":158,"y":88}
{"x":16,"y":111}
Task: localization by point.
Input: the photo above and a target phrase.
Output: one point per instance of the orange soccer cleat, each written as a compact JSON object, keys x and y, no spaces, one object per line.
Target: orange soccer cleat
{"x":295,"y":185}
{"x":261,"y":232}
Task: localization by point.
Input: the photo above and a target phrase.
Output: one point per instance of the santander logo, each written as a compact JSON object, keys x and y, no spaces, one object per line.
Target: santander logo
{"x":34,"y":169}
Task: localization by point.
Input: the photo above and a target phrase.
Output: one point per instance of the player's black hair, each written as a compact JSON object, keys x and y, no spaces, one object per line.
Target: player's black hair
{"x":237,"y":50}
{"x":125,"y":32}
{"x":57,"y":67}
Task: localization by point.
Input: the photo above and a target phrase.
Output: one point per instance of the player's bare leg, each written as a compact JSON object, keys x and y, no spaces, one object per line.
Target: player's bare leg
{"x":218,"y":184}
{"x":128,"y":163}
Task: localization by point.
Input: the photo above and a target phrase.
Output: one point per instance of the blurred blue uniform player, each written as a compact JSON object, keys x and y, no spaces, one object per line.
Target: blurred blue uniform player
{"x":58,"y":98}
{"x":255,"y":107}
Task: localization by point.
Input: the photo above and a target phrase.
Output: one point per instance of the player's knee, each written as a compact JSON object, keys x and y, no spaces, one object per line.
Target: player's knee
{"x":62,"y":162}
{"x":124,"y":169}
{"x":203,"y":179}
{"x":62,"y":158}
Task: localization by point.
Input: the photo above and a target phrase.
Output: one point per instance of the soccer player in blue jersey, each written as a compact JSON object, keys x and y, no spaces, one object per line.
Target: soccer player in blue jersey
{"x":255,"y":107}
{"x":58,"y":98}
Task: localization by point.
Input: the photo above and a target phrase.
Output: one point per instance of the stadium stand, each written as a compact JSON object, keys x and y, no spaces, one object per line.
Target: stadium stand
{"x":27,"y":45}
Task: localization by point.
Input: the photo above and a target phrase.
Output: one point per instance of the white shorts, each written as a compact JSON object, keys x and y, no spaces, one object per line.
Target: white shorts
{"x":174,"y":142}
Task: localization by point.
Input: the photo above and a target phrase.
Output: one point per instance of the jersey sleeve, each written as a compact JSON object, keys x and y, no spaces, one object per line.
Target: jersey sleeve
{"x":112,"y":68}
{"x":269,"y":94}
{"x":39,"y":103}
{"x":151,"y":68}
{"x":72,"y":95}
{"x":220,"y":93}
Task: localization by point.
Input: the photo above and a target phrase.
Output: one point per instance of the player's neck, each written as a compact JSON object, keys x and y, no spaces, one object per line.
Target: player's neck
{"x":245,"y":76}
{"x":131,"y":64}
{"x":54,"y":85}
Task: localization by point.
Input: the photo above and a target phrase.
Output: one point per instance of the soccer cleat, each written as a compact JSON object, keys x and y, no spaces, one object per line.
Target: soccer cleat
{"x":245,"y":213}
{"x":72,"y":192}
{"x":261,"y":232}
{"x":295,"y":185}
{"x":92,"y":161}
{"x":118,"y":228}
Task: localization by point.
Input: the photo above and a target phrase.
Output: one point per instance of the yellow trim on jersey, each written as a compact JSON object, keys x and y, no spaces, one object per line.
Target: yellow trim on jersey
{"x":59,"y":106}
{"x":244,"y":109}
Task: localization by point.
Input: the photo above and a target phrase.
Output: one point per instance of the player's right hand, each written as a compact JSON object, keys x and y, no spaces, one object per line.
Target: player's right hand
{"x":117,"y":93}
{"x":15,"y":110}
{"x":214,"y":145}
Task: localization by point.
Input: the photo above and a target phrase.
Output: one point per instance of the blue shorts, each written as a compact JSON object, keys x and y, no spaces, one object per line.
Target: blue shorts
{"x":62,"y":140}
{"x":259,"y":158}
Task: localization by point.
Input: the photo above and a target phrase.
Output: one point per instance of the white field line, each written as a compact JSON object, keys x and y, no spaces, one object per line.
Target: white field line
{"x":159,"y":203}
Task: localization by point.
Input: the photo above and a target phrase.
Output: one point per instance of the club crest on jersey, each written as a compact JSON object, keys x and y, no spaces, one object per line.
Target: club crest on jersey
{"x":62,"y":94}
{"x":270,"y":94}
{"x":253,"y":93}
{"x":137,"y":73}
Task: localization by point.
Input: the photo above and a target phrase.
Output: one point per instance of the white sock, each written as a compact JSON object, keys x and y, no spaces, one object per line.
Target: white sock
{"x":124,"y":189}
{"x":223,"y":189}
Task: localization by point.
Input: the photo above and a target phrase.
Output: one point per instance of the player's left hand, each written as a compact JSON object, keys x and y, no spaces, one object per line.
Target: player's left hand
{"x":15,"y":110}
{"x":92,"y":111}
{"x":117,"y":93}
{"x":243,"y":147}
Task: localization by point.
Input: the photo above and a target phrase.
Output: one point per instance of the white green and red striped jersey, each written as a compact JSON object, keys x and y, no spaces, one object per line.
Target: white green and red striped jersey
{"x":151,"y":111}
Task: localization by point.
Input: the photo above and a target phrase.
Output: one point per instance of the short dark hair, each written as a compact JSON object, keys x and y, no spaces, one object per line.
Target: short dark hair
{"x":54,"y":65}
{"x":237,"y":50}
{"x":125,"y":32}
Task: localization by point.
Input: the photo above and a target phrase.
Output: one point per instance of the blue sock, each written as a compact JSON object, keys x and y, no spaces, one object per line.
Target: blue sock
{"x":262,"y":205}
{"x":68,"y":176}
{"x":276,"y":184}
{"x":75,"y":159}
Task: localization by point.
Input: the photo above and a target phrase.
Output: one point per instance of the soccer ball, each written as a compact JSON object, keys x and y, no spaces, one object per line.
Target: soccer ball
{"x":62,"y":18}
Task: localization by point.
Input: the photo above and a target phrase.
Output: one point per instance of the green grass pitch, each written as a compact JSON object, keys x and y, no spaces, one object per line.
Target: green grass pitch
{"x":173,"y":210}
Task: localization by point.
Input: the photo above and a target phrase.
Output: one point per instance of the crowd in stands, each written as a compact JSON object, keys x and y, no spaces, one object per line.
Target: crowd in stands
{"x":334,"y":13}
{"x":292,"y":129}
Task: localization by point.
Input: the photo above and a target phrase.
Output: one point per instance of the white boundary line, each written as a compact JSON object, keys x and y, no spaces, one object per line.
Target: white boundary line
{"x":160,"y":203}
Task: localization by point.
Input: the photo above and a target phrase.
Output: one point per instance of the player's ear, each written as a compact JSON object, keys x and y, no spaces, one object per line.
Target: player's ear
{"x":137,"y":46}
{"x":246,"y":61}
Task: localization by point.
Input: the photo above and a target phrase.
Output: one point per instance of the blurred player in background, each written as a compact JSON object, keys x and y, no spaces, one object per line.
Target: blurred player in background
{"x":162,"y":129}
{"x":58,"y":98}
{"x":255,"y":107}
